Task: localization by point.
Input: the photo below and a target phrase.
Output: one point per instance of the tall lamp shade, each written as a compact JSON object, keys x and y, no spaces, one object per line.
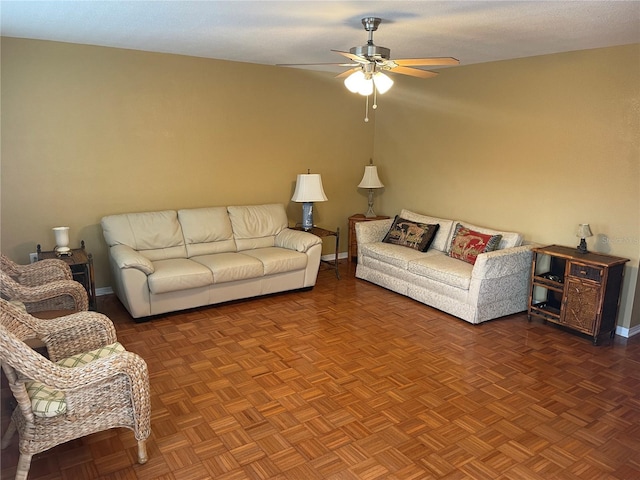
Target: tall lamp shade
{"x":308,"y":190}
{"x":370,"y":180}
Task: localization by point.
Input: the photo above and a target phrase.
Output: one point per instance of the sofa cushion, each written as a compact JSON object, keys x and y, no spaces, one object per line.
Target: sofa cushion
{"x":255,"y":226}
{"x":467,"y":244}
{"x":178,"y":274}
{"x":278,"y":260}
{"x":509,"y":239}
{"x":392,"y":254}
{"x":207,"y":230}
{"x":444,"y":269}
{"x":229,"y":267}
{"x":156,"y":235}
{"x":441,"y":240}
{"x":411,"y":234}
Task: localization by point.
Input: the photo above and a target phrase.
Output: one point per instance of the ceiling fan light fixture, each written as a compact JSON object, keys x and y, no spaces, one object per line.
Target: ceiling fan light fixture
{"x":382,"y":82}
{"x":353,"y":81}
{"x":366,"y":87}
{"x":359,"y":82}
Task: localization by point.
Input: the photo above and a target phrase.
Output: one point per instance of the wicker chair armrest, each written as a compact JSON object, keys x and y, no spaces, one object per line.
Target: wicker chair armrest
{"x":56,"y":295}
{"x":75,"y":381}
{"x":44,"y":271}
{"x":76,"y":333}
{"x":86,"y":385}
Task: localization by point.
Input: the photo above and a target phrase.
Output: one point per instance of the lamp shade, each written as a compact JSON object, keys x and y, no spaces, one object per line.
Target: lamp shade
{"x":359,"y":82}
{"x":383,"y":82}
{"x":370,"y":178}
{"x":309,"y":188}
{"x":584,"y":231}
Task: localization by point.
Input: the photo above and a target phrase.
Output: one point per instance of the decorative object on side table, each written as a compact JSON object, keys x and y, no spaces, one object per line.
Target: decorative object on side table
{"x":584,"y":231}
{"x":371,"y":181}
{"x":81,"y":264}
{"x":62,"y":240}
{"x":308,"y":190}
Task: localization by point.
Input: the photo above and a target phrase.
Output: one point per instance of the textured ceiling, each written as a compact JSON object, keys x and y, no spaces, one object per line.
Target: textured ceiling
{"x":274,"y":32}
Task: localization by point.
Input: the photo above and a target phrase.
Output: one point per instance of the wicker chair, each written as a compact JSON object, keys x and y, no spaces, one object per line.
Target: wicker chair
{"x":37,"y":273}
{"x":108,"y":392}
{"x":54,"y":295}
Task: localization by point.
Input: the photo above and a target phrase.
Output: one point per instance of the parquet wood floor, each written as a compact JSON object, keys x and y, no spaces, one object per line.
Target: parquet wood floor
{"x":351,"y":381}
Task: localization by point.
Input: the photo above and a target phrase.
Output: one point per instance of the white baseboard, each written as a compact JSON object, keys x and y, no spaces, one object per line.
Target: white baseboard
{"x":627,"y":332}
{"x":103,"y":291}
{"x":331,"y":257}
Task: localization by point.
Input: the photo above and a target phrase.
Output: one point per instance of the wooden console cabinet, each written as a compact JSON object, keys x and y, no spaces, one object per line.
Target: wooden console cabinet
{"x":353,"y":242}
{"x":580,"y":291}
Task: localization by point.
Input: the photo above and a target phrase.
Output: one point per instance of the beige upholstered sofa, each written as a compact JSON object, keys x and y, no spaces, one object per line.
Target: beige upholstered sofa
{"x":495,"y":286}
{"x":174,"y":260}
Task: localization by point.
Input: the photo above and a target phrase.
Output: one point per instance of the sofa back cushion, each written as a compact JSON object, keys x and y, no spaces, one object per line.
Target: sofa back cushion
{"x":206,"y":230}
{"x":441,"y":240}
{"x":156,"y":235}
{"x":256,"y":226}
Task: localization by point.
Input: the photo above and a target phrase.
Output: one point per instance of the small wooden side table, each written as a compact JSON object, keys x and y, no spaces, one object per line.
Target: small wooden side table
{"x":353,"y":241}
{"x":323,"y":233}
{"x":81,"y":264}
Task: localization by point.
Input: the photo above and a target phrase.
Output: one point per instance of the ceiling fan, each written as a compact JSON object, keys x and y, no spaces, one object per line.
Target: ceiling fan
{"x":370,"y":62}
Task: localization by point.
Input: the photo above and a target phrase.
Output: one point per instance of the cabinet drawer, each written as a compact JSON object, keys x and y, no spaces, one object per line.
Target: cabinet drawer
{"x":587,"y":272}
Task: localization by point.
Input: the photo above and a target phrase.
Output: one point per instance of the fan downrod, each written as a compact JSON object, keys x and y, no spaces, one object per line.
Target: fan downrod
{"x":370,"y":51}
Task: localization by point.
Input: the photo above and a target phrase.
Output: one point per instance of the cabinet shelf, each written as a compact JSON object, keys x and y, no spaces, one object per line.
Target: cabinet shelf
{"x":545,"y":282}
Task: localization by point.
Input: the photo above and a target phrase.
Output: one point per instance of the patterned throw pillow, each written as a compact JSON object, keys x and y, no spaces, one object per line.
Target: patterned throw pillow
{"x":467,"y":244}
{"x":411,"y":234}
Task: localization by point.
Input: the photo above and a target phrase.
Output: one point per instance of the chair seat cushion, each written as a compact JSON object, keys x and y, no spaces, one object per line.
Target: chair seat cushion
{"x":48,"y":402}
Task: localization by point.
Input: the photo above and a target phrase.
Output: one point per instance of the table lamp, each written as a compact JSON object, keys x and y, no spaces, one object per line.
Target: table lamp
{"x":583,"y":232}
{"x":370,"y":180}
{"x":308,"y":190}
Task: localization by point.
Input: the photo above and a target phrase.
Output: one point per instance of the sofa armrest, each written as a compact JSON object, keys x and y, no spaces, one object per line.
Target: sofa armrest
{"x":296,"y":240}
{"x":126,"y":257}
{"x":501,"y":263}
{"x":372,"y":231}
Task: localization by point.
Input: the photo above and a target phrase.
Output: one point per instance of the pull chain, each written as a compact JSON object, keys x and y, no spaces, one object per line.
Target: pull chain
{"x":366,"y":112}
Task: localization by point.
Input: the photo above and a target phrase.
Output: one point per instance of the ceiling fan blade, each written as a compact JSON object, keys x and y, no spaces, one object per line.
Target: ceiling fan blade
{"x":414,"y":72}
{"x":312,"y":64}
{"x":412,"y":62}
{"x":355,"y":58}
{"x":347,"y":72}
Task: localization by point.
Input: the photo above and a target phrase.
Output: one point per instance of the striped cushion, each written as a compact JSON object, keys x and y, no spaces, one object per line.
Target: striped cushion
{"x":47,"y":402}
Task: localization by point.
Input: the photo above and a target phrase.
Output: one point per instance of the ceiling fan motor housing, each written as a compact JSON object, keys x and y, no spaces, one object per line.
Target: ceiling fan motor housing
{"x":371,"y":52}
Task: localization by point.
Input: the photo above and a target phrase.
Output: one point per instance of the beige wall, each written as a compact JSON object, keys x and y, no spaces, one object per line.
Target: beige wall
{"x":90,"y":131}
{"x":536,"y":145}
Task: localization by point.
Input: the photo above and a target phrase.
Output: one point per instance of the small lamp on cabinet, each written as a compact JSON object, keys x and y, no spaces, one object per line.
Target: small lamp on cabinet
{"x":584,"y":231}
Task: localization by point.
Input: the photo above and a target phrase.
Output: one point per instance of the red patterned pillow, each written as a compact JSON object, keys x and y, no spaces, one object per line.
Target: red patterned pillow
{"x":467,"y":244}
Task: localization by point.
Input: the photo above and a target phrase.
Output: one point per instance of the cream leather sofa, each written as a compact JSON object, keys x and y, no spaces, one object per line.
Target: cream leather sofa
{"x":495,"y":286}
{"x":174,"y":260}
